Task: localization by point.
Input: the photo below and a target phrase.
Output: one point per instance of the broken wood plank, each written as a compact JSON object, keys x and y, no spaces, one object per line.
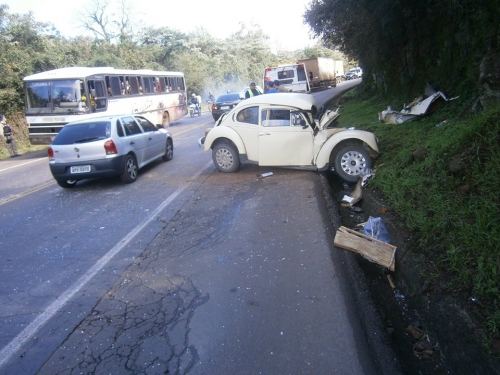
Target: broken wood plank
{"x":391,"y":282}
{"x":374,"y":250}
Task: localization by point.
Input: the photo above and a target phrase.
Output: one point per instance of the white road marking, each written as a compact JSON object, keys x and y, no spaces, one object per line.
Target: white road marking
{"x":20,"y":165}
{"x":60,"y":301}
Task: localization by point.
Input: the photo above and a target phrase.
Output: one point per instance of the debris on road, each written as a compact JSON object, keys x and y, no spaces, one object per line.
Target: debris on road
{"x":267,"y":174}
{"x":375,"y":228}
{"x":354,"y":197}
{"x":417,"y":108}
{"x":391,"y":283}
{"x":423,"y":347}
{"x":372,"y":249}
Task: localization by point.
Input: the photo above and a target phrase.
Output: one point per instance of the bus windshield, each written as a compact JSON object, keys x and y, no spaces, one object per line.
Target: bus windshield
{"x":59,"y":96}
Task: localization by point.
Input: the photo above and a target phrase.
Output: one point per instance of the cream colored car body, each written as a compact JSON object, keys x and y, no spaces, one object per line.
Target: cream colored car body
{"x":303,"y":142}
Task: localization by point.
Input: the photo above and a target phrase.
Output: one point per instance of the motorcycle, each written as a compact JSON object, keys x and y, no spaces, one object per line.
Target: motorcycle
{"x":210,"y":103}
{"x":194,"y":111}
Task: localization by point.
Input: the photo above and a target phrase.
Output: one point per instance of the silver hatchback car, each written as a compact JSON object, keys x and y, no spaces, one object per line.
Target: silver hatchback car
{"x":105,"y":147}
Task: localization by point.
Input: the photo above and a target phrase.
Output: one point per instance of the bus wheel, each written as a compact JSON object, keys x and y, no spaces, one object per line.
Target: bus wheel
{"x":166,"y":120}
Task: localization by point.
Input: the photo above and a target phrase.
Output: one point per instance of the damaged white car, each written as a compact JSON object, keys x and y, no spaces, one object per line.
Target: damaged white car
{"x":283,"y":130}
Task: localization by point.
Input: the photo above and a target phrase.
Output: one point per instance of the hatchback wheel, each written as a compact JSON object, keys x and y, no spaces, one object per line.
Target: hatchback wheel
{"x":130,"y":170}
{"x":169,"y":151}
{"x":66,"y":183}
{"x":225,"y":157}
{"x":350,"y":162}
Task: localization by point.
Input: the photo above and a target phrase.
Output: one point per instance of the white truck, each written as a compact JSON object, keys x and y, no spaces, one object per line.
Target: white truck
{"x":323,"y":72}
{"x":292,"y":77}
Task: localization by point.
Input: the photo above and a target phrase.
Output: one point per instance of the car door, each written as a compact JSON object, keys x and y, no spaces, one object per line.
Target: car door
{"x":155,"y":138}
{"x":283,"y":142}
{"x":246,"y":123}
{"x":135,"y":138}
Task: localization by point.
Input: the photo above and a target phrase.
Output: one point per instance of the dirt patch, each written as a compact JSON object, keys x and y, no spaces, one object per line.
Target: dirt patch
{"x":430,"y":331}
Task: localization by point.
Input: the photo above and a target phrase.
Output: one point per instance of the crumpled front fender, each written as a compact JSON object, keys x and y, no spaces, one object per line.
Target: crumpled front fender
{"x":323,"y":158}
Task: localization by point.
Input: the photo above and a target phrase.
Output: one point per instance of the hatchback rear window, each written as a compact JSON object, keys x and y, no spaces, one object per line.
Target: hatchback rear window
{"x":83,"y":133}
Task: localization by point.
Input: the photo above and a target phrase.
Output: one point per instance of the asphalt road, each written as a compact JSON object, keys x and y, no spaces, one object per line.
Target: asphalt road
{"x":185,"y":271}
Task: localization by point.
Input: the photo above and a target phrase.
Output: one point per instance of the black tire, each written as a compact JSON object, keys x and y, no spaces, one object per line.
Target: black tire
{"x":225,"y":157}
{"x":130,"y":170}
{"x":169,"y":150}
{"x":191,"y":113}
{"x":350,"y":162}
{"x":66,"y":183}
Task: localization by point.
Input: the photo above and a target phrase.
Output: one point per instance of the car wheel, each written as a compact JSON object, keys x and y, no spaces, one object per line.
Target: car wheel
{"x":66,"y":183}
{"x":225,"y":157}
{"x":350,"y":162}
{"x":169,"y":151}
{"x":130,"y":170}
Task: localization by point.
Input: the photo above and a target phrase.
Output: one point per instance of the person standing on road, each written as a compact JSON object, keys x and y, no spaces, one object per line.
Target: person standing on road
{"x":270,"y":87}
{"x":278,"y":87}
{"x":252,"y":91}
{"x":9,"y":137}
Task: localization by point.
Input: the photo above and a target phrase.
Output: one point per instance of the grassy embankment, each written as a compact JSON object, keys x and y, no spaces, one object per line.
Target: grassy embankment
{"x":455,"y":216}
{"x":17,"y":123}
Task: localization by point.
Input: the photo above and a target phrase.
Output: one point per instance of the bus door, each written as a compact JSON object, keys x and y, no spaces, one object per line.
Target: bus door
{"x":97,"y":95}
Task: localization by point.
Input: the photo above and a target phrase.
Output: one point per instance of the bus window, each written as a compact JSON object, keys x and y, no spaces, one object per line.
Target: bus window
{"x":163,"y":85}
{"x":115,"y":84}
{"x":134,"y":85}
{"x":147,"y":85}
{"x":157,"y":87}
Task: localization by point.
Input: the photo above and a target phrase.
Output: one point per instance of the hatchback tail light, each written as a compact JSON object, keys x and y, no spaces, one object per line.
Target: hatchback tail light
{"x":50,"y":152}
{"x":110,"y":147}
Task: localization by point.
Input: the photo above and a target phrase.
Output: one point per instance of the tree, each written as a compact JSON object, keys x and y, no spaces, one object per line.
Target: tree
{"x":105,"y":24}
{"x":405,"y":43}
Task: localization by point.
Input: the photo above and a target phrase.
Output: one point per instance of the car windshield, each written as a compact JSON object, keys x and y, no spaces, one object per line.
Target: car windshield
{"x":228,"y":98}
{"x":83,"y":133}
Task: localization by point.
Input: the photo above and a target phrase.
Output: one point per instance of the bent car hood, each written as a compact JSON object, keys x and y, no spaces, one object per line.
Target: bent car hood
{"x":327,"y":118}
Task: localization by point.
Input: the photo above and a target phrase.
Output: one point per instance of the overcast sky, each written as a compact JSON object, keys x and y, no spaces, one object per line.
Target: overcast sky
{"x":280,"y":19}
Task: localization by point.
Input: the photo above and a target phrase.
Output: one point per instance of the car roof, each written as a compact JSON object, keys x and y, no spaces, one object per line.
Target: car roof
{"x":302,"y":101}
{"x":100,"y":118}
{"x":231,"y":95}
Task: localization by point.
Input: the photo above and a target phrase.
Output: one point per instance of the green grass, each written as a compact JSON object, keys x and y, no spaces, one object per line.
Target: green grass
{"x":458,"y":228}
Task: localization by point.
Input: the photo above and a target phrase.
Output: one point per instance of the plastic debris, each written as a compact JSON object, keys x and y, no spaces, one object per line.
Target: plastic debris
{"x":375,"y":227}
{"x":267,"y":174}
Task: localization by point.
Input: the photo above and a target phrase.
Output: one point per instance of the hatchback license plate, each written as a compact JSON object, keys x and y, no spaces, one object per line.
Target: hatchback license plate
{"x":224,"y":107}
{"x":80,"y":169}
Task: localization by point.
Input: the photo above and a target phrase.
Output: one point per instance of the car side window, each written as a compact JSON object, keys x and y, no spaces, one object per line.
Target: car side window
{"x":249,"y":115}
{"x":147,"y":125}
{"x":275,"y":117}
{"x":130,"y":126}
{"x":119,"y":129}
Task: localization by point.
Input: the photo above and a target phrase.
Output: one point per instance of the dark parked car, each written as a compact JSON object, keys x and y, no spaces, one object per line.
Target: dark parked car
{"x":225,"y":103}
{"x":105,"y":147}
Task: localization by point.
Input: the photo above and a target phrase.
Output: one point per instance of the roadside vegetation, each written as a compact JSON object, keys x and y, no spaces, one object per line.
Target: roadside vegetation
{"x":447,"y":194}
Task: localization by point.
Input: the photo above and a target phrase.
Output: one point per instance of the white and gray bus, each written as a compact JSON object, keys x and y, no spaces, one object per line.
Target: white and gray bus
{"x":57,"y":97}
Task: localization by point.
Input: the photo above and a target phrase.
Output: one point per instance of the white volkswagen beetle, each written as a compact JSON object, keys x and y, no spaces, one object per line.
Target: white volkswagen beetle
{"x":283,"y":130}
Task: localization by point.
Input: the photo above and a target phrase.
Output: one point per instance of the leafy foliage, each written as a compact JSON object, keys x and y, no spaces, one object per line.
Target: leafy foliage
{"x":404,"y":44}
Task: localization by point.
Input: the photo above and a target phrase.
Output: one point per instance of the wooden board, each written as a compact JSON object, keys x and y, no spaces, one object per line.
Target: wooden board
{"x":372,"y":249}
